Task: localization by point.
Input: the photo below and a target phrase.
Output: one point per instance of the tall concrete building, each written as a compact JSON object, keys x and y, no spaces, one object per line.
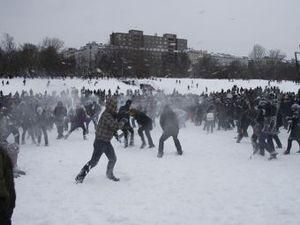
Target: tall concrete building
{"x":85,"y":57}
{"x":152,"y":45}
{"x":152,"y":50}
{"x":131,"y":53}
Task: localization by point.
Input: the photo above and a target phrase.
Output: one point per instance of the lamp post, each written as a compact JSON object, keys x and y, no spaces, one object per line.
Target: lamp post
{"x":90,"y":59}
{"x":297,"y":62}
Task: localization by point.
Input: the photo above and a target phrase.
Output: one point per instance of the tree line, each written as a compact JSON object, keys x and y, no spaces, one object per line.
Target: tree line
{"x":33,"y":60}
{"x":262,"y":64}
{"x":46,"y":59}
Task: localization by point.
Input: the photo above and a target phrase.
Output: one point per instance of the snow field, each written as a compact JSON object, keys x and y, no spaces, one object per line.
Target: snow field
{"x":214,"y":182}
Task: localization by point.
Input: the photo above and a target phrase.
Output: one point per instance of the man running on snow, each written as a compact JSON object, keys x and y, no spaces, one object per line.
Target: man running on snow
{"x":106,"y":128}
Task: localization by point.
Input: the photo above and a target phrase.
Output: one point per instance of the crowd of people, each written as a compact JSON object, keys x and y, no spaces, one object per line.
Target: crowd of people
{"x":32,"y":115}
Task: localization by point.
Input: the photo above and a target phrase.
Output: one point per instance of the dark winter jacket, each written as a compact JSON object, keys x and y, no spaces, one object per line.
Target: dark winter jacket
{"x":108,"y":123}
{"x":60,"y":112}
{"x":142,"y":119}
{"x":294,"y":127}
{"x":93,"y":109}
{"x":124,"y":112}
{"x":4,"y":128}
{"x":80,"y":115}
{"x":41,"y":118}
{"x":7,"y":187}
{"x":168,"y":121}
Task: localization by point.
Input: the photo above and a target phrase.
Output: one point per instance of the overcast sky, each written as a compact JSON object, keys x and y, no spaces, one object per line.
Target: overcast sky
{"x":227,"y":26}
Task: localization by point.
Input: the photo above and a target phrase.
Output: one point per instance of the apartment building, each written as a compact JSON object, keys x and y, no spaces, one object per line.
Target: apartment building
{"x":152,"y":45}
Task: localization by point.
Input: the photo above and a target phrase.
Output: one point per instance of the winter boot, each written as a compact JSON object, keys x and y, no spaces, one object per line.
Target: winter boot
{"x":80,"y":177}
{"x":143,"y":145}
{"x":151,"y":146}
{"x":125,"y":143}
{"x":131,"y":143}
{"x":261,"y":152}
{"x":286,"y":152}
{"x":113,"y":178}
{"x":60,"y":136}
{"x":66,"y":136}
{"x":160,"y":154}
{"x":109,"y":170}
{"x":273,"y":156}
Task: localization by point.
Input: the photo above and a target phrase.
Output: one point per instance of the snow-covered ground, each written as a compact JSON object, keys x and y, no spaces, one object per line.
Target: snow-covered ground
{"x":214,"y":182}
{"x":165,"y":84}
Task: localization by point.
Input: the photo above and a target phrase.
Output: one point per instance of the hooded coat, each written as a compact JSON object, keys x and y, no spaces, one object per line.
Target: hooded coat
{"x":124,"y":112}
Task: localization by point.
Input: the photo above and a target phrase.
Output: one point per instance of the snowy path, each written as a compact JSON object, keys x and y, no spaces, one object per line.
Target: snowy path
{"x":214,"y":182}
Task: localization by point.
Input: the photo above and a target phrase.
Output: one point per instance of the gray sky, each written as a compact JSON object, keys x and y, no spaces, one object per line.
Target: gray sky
{"x":227,"y":26}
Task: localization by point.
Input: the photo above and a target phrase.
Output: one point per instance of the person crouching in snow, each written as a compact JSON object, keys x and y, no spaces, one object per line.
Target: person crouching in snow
{"x":106,"y":128}
{"x":169,"y":123}
{"x":145,"y":124}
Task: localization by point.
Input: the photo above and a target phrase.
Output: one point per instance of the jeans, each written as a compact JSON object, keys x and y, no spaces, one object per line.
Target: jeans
{"x":101,"y":147}
{"x":166,"y":134}
{"x":148,"y":135}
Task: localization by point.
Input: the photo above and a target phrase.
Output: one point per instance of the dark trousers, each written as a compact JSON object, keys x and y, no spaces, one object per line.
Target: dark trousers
{"x":126,"y":130}
{"x":5,"y":216}
{"x":266,"y":143}
{"x":289,"y":146}
{"x":255,"y":145}
{"x":74,"y":126}
{"x":30,"y":131}
{"x":209,"y":126}
{"x":148,"y":135}
{"x":42,"y":130}
{"x":165,"y":136}
{"x":242,"y":127}
{"x":101,"y":147}
{"x":277,"y":140}
{"x":60,"y":128}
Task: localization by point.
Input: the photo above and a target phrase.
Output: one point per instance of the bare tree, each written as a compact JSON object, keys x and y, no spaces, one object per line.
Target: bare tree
{"x":276,"y":55}
{"x":7,"y":43}
{"x":55,"y":43}
{"x":258,"y":52}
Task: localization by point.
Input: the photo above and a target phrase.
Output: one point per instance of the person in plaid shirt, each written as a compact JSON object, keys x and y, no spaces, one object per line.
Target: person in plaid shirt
{"x":106,"y":128}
